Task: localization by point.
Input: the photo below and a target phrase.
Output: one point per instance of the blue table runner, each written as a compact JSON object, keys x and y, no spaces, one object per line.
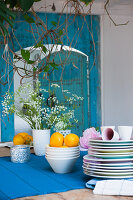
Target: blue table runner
{"x":37,"y":178}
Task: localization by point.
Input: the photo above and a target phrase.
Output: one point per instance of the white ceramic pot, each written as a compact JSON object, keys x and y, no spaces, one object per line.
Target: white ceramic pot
{"x":64,"y":132}
{"x":40,"y":139}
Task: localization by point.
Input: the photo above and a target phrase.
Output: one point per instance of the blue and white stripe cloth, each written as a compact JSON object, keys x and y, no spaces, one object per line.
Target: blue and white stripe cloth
{"x":111,"y":187}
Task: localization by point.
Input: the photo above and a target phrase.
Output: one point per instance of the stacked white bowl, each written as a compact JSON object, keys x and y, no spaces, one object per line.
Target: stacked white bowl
{"x":62,"y":160}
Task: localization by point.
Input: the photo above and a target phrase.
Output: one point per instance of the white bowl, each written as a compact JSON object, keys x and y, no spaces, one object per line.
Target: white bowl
{"x":62,"y":165}
{"x":62,"y":152}
{"x":62,"y":156}
{"x":59,"y":149}
{"x":62,"y":148}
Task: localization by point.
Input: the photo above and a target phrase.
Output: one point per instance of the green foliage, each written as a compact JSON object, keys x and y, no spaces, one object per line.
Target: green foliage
{"x":54,"y":23}
{"x":60,"y":32}
{"x":47,"y":68}
{"x":29,"y":19}
{"x":7,"y":15}
{"x":87,"y":2}
{"x":26,"y":56}
{"x":97,"y":128}
{"x":40,"y":44}
{"x":54,"y":65}
{"x":25,"y":5}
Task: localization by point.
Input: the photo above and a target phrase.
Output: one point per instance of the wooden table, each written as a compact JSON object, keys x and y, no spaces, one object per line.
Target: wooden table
{"x":82,"y":194}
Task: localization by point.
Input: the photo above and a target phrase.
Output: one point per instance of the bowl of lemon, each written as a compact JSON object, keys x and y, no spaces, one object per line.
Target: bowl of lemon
{"x":62,"y":152}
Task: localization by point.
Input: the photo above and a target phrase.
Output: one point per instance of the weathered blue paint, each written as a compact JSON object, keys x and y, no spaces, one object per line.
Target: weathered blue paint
{"x":7,"y":124}
{"x":83,"y":43}
{"x":95,"y":79}
{"x":75,"y":81}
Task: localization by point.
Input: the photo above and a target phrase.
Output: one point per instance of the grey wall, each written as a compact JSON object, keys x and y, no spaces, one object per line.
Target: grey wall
{"x":117,"y":71}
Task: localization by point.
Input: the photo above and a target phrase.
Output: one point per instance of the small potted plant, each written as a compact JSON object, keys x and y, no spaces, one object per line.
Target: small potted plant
{"x":29,"y":104}
{"x":65,"y":121}
{"x":65,"y":118}
{"x":42,"y":109}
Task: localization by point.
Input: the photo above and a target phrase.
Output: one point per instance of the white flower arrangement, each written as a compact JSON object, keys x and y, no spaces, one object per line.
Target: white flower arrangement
{"x":40,"y":111}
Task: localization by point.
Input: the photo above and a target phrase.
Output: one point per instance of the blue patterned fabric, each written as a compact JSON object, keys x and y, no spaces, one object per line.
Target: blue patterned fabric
{"x":36,"y":178}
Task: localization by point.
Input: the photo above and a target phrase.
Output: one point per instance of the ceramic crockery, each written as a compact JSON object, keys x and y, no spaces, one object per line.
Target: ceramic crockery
{"x":104,"y":127}
{"x":125,"y":132}
{"x":110,"y":134}
{"x":62,"y":165}
{"x":109,"y":176}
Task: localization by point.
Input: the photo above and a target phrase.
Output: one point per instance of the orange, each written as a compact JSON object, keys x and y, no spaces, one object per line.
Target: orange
{"x":28,"y":139}
{"x":64,"y":146}
{"x":18,"y":140}
{"x":71,"y":140}
{"x":56,"y":140}
{"x":23,"y":134}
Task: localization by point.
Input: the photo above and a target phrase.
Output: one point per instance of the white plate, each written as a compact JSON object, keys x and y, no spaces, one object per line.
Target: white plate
{"x":111,"y":144}
{"x":112,"y":177}
{"x":108,"y":167}
{"x":90,"y":169}
{"x":118,"y":156}
{"x":99,"y":140}
{"x":109,"y":154}
{"x":110,"y":173}
{"x":110,"y":147}
{"x":86,"y":157}
{"x":128,"y":150}
{"x":109,"y":164}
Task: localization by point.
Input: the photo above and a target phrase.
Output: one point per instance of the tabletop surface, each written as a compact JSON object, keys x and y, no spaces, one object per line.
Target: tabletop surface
{"x":84,"y":194}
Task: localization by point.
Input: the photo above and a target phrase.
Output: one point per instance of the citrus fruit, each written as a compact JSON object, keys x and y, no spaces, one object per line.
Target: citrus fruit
{"x":23,"y":134}
{"x":71,"y":140}
{"x":28,"y":139}
{"x":64,"y":146}
{"x":56,"y":140}
{"x":18,"y":140}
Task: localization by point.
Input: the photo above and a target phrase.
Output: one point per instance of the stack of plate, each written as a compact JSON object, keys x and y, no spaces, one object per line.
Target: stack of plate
{"x":109,"y":159}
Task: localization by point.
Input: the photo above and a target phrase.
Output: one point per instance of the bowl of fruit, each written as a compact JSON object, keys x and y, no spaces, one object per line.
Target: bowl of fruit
{"x":62,"y":152}
{"x":20,"y":150}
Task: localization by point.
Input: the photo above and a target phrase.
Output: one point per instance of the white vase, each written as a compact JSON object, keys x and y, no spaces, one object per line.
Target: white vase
{"x":64,"y":132}
{"x":40,"y":139}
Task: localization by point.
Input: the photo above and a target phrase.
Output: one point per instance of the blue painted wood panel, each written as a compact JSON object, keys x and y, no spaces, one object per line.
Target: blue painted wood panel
{"x":7,"y":124}
{"x":73,"y":79}
{"x":95,"y":74}
{"x":82,"y":41}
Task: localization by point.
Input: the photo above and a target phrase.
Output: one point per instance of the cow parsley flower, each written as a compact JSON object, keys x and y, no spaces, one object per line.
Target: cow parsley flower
{"x":41,"y":108}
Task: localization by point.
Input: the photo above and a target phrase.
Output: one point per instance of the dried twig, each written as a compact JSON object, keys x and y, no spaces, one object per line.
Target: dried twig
{"x":105,"y":7}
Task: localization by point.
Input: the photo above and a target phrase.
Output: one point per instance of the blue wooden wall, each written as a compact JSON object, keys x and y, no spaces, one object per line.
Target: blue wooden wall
{"x":7,"y":124}
{"x":84,"y":43}
{"x":73,"y":79}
